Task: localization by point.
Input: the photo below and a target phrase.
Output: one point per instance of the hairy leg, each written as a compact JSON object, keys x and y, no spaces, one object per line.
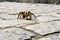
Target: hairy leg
{"x":21,"y":16}
{"x":18,"y":16}
{"x":28,"y":18}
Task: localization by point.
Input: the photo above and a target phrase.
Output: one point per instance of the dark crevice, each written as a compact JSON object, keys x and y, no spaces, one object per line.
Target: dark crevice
{"x":30,"y":38}
{"x":51,"y":33}
{"x":46,"y":35}
{"x":41,"y":36}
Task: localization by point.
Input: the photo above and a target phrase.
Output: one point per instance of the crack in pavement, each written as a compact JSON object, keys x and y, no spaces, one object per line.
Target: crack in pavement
{"x":19,"y":27}
{"x":46,"y":35}
{"x":37,"y":35}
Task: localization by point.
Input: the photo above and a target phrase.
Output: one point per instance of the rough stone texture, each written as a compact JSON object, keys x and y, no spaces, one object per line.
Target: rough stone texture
{"x":15,"y":34}
{"x":47,"y":28}
{"x":20,"y":23}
